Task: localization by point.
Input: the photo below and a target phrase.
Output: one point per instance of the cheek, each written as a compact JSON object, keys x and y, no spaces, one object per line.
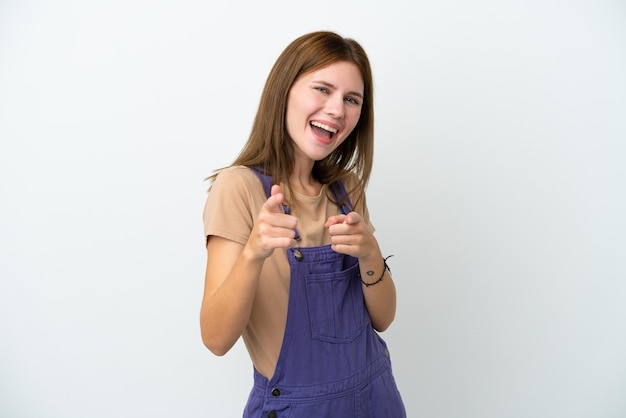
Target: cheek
{"x":291,"y":116}
{"x":354,"y":119}
{"x":297,"y":109}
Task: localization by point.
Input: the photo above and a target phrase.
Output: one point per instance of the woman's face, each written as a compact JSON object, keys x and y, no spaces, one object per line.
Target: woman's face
{"x":323,"y":107}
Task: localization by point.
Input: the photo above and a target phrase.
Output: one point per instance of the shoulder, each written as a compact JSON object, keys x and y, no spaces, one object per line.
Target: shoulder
{"x":233,"y":201}
{"x":236,"y":185}
{"x":237,"y":174}
{"x":235,"y":180}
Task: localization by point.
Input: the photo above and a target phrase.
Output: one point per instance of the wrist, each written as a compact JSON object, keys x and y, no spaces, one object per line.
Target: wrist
{"x":385,"y":269}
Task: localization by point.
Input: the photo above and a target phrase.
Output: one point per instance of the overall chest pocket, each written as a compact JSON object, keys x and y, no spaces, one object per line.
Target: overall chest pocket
{"x":336,"y":308}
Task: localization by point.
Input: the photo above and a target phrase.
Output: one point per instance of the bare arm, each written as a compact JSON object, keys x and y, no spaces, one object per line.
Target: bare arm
{"x":230,"y":285}
{"x":351,"y":235}
{"x":233,"y":271}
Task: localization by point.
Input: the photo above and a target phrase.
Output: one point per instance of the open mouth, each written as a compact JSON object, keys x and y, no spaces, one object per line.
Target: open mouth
{"x":323,"y":130}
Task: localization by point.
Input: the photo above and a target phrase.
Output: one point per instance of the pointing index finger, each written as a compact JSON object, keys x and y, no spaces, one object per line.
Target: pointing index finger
{"x":275,"y":202}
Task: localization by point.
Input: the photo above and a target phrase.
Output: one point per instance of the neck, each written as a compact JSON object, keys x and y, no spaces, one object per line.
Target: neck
{"x":302,"y":180}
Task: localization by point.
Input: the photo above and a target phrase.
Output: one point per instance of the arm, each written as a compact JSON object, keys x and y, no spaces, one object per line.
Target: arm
{"x":229,"y":288}
{"x":351,"y":235}
{"x":233,"y":271}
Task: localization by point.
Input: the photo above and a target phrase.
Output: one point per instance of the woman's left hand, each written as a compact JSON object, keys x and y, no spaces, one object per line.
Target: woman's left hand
{"x":351,"y":235}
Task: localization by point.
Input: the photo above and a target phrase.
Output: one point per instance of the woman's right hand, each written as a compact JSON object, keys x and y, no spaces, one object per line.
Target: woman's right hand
{"x":273,"y":227}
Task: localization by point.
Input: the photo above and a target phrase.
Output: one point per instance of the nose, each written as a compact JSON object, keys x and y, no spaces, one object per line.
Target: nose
{"x":335,"y":106}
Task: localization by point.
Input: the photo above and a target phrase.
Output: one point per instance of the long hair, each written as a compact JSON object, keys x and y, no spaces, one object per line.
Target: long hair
{"x":270,"y":147}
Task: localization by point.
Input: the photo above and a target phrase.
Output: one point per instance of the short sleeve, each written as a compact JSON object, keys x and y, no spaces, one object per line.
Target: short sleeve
{"x":233,"y":202}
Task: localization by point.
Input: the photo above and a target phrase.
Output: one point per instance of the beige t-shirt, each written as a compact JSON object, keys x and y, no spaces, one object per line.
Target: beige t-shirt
{"x":231,"y":208}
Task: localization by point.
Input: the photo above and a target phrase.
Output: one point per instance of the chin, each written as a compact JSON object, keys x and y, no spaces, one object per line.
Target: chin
{"x":319,"y":157}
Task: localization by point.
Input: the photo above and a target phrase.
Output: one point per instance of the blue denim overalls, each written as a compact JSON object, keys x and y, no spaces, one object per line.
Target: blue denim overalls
{"x":332,"y":363}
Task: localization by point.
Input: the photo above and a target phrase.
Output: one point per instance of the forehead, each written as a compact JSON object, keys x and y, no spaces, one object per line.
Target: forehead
{"x":341,"y":74}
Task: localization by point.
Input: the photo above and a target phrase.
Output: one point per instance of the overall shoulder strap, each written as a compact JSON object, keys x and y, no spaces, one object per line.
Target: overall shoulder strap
{"x":341,"y":195}
{"x":266,"y":180}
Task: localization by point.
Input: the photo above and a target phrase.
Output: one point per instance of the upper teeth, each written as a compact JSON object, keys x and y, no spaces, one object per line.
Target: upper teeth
{"x":325,"y":127}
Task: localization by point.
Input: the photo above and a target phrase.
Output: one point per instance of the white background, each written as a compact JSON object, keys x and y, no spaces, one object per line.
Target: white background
{"x":499,"y":186}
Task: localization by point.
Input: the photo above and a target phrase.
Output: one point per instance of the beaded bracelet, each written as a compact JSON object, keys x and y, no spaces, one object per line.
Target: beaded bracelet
{"x":385,"y":267}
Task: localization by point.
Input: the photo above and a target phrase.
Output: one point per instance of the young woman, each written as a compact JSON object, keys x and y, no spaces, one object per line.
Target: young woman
{"x":293,"y":266}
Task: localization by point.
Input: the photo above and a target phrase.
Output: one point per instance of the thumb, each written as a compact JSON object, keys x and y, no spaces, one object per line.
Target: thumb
{"x":353,"y":218}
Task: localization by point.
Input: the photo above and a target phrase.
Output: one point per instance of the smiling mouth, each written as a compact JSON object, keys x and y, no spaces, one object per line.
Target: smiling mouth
{"x":323,"y":130}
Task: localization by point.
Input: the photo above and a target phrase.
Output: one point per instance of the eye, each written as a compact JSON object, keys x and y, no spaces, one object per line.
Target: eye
{"x":321,"y":89}
{"x":352,"y":101}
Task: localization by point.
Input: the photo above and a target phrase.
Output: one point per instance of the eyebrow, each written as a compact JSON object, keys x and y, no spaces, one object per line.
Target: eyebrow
{"x":327,"y":84}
